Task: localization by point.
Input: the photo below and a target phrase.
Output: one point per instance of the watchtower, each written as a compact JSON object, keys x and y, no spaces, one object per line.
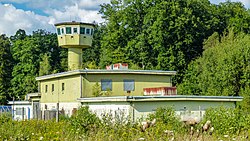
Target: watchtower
{"x":75,"y":36}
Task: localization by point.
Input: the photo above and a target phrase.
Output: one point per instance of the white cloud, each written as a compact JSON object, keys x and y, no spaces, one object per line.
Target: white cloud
{"x":91,"y":4}
{"x":74,"y":13}
{"x":245,"y":2}
{"x":13,"y":19}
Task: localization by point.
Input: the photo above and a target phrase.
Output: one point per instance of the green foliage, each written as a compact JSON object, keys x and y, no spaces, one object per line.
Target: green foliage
{"x":5,"y":117}
{"x":84,"y":125}
{"x":91,"y":56}
{"x":245,"y":104}
{"x":6,"y":65}
{"x":222,"y":70}
{"x":228,"y":121}
{"x":45,"y":66}
{"x":31,"y":52}
{"x":96,"y":90}
{"x":84,"y":120}
{"x":165,"y":35}
{"x":108,"y":92}
{"x":168,"y":117}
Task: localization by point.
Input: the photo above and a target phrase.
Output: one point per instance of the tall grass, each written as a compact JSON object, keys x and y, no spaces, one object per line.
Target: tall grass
{"x":85,"y":125}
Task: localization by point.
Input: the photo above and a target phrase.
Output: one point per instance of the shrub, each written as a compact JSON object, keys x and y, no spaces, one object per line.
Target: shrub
{"x":5,"y":117}
{"x":168,"y":117}
{"x":228,"y":120}
{"x":84,"y":120}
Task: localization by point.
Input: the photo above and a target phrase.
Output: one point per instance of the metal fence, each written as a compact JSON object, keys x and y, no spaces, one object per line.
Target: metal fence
{"x":5,"y":109}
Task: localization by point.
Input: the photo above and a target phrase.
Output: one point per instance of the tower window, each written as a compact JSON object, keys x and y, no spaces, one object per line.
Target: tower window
{"x":68,"y":30}
{"x":63,"y":86}
{"x":106,"y":84}
{"x":58,"y":31}
{"x":53,"y":88}
{"x":82,"y":30}
{"x":46,"y":88}
{"x":87,"y":31}
{"x":75,"y":30}
{"x":92,"y":31}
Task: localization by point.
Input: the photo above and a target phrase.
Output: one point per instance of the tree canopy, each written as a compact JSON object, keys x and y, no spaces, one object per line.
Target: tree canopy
{"x":166,"y":35}
{"x":5,"y":68}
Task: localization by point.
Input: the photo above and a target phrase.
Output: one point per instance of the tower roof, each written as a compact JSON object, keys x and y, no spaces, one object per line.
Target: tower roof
{"x":74,"y":23}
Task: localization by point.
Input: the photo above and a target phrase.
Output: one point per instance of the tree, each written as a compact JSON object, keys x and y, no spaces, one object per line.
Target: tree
{"x":91,"y":56}
{"x":31,"y":51}
{"x":223,"y":68}
{"x":5,"y":69}
{"x":157,"y":34}
{"x":45,"y":67}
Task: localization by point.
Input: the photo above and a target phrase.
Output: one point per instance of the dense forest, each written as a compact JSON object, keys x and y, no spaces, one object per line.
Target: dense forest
{"x":207,"y":44}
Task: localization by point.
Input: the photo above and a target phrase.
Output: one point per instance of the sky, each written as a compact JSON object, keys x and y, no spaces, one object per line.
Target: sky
{"x":31,"y":15}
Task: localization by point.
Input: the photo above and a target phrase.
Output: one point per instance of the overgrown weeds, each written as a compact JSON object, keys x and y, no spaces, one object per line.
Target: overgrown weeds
{"x":85,"y":125}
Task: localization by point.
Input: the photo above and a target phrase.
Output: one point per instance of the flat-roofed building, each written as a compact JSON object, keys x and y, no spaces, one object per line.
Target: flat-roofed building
{"x":65,"y":88}
{"x":139,"y":107}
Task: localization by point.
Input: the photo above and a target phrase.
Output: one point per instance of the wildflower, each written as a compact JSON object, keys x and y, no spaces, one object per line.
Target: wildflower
{"x":141,"y":139}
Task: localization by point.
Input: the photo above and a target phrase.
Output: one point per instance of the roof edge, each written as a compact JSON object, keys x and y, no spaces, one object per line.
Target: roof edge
{"x":160,"y":98}
{"x":74,"y":23}
{"x":103,"y":71}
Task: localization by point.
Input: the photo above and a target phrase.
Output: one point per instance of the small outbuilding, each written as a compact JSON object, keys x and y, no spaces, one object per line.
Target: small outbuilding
{"x":137,"y":107}
{"x":26,"y":109}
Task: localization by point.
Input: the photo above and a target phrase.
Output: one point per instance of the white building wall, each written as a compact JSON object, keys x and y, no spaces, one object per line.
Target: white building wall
{"x":140,"y":110}
{"x":17,"y":112}
{"x":116,"y":111}
{"x":68,"y":107}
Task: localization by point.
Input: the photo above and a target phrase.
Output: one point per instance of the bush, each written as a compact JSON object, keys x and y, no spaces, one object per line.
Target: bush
{"x":5,"y":117}
{"x":228,"y":120}
{"x":84,"y":120}
{"x":168,"y":117}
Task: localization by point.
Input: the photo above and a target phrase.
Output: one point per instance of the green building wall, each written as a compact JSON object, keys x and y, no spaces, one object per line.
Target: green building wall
{"x":70,"y":93}
{"x":141,"y":81}
{"x":81,"y":85}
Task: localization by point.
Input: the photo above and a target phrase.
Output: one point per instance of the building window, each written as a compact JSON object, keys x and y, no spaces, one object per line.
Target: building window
{"x":53,"y":88}
{"x":128,"y":85}
{"x":106,"y":84}
{"x":46,"y":88}
{"x":82,"y":30}
{"x":75,"y":30}
{"x":63,"y":86}
{"x":92,"y":31}
{"x":87,"y":31}
{"x":58,"y":31}
{"x":62,"y":30}
{"x":20,"y":111}
{"x":68,"y":30}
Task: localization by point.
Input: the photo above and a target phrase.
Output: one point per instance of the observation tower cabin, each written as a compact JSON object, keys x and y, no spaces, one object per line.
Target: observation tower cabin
{"x":75,"y":36}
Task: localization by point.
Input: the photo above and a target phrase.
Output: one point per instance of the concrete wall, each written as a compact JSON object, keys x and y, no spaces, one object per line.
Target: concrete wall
{"x":140,"y":110}
{"x":141,"y":81}
{"x":182,"y":108}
